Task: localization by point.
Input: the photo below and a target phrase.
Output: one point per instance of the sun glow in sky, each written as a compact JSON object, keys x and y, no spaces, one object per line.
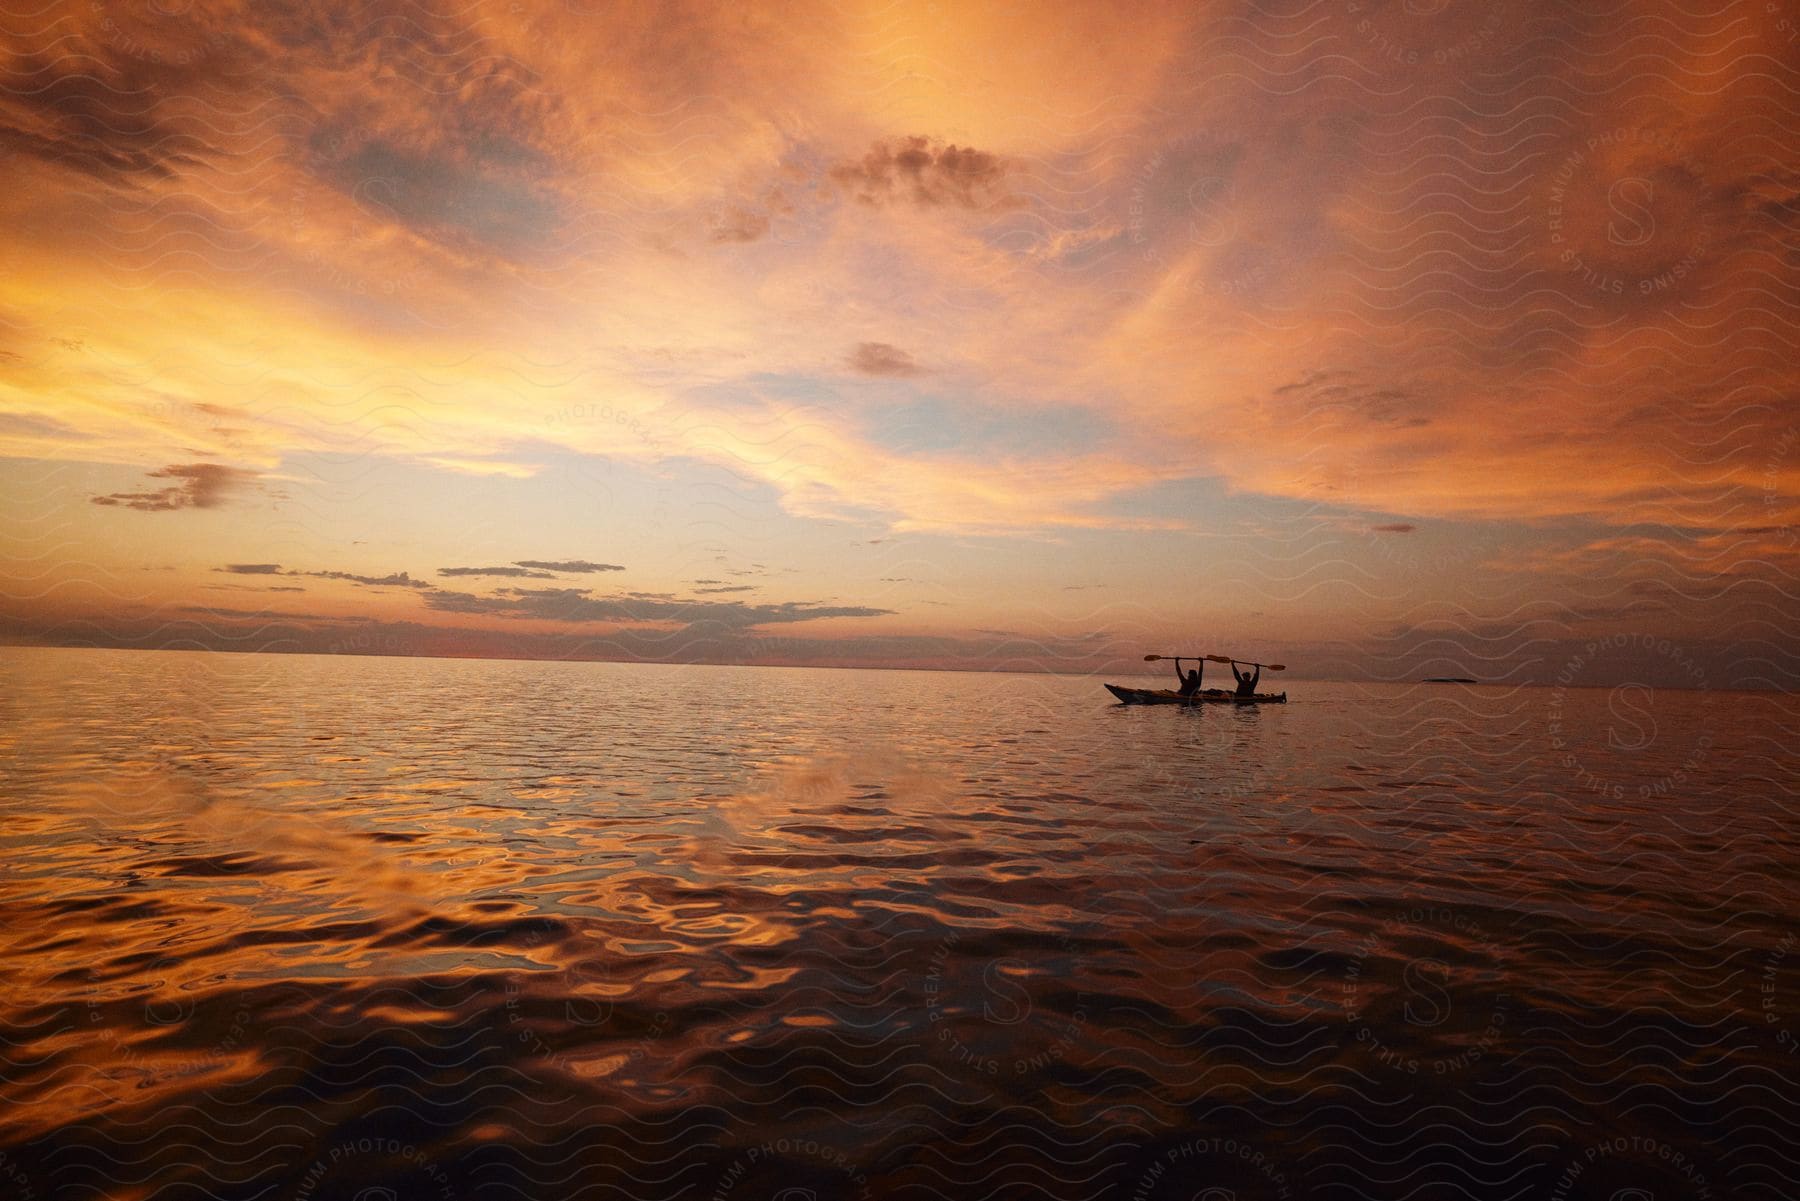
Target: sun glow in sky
{"x":1386,"y":339}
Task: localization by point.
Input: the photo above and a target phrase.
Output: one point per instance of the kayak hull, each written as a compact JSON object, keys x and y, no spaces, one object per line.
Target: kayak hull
{"x":1208,"y":696}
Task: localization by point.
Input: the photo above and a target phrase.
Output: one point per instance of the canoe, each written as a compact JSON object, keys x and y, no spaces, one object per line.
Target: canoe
{"x":1206,"y":696}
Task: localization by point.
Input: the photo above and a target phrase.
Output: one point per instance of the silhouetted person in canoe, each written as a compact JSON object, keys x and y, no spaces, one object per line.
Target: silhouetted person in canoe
{"x":1246,"y":683}
{"x":1190,"y":683}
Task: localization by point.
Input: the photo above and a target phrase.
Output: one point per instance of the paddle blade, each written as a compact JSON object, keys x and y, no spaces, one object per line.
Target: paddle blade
{"x":1248,"y":662}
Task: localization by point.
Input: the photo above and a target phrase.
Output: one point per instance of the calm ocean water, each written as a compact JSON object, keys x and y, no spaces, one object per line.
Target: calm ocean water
{"x":307,"y":927}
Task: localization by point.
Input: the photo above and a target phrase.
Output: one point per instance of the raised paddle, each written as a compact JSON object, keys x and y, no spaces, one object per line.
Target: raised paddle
{"x":1250,"y":662}
{"x":1219,"y":659}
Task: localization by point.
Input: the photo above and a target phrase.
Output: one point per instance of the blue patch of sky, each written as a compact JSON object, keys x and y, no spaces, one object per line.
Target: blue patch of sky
{"x":939,"y":426}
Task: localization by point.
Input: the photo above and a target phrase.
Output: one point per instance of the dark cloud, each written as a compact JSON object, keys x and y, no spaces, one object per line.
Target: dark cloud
{"x":444,"y":133}
{"x":577,"y":605}
{"x":108,"y":121}
{"x":570,"y":565}
{"x":919,"y":171}
{"x":878,"y":358}
{"x":422,"y":119}
{"x":516,"y":573}
{"x":1396,"y":527}
{"x":398,"y":579}
{"x":201,"y":486}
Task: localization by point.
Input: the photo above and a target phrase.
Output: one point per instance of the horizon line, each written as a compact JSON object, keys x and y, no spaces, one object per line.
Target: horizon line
{"x":375,"y":654}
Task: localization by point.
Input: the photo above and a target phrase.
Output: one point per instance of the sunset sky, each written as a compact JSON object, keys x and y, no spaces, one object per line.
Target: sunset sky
{"x":1383,"y":339}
